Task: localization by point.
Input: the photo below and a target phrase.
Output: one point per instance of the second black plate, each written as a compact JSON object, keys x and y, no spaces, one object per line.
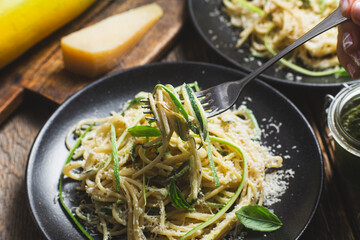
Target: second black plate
{"x":212,"y":23}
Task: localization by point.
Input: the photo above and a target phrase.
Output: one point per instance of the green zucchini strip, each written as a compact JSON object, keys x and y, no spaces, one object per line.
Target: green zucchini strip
{"x":233,"y":198}
{"x":122,"y":137}
{"x":177,"y":198}
{"x":199,"y":116}
{"x":204,"y":132}
{"x":194,"y":85}
{"x":134,"y":102}
{"x":115,"y":157}
{"x":182,"y":126}
{"x":250,"y":6}
{"x":71,"y":153}
{"x":250,"y":115}
{"x":144,"y":186}
{"x":175,"y":100}
{"x":178,"y":172}
{"x":297,"y":68}
{"x":144,"y":177}
{"x":215,"y":205}
{"x":212,"y":164}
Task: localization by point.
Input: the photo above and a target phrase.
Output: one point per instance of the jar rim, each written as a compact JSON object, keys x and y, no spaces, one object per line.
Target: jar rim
{"x":341,"y":136}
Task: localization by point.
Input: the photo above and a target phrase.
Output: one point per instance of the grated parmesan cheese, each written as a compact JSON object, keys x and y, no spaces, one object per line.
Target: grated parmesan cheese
{"x":275,"y":185}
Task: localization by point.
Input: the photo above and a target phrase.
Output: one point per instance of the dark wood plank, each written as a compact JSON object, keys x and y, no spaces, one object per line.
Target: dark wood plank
{"x":16,"y":136}
{"x":41,"y":69}
{"x":349,"y":193}
{"x":11,"y":98}
{"x":332,"y":220}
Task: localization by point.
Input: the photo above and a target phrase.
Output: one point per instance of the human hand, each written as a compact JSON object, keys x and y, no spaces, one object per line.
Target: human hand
{"x":348,"y":46}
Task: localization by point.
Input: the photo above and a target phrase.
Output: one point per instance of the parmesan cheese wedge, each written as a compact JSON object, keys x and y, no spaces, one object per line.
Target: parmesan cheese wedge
{"x":98,"y":48}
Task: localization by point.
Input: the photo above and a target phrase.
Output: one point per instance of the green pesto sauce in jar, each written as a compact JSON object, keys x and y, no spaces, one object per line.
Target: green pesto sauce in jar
{"x":351,"y":122}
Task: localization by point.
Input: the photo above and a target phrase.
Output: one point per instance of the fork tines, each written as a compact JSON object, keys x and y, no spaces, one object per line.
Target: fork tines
{"x":147,"y":106}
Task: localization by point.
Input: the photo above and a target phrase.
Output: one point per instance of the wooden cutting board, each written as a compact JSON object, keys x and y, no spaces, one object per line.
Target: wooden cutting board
{"x":41,"y":69}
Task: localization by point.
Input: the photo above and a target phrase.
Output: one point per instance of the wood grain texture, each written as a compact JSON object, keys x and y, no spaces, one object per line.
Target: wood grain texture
{"x":338,"y":209}
{"x":41,"y":69}
{"x":350,"y":194}
{"x":16,"y":137}
{"x":11,"y":98}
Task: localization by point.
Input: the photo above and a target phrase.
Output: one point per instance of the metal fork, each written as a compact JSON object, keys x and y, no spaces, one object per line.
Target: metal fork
{"x":218,"y":99}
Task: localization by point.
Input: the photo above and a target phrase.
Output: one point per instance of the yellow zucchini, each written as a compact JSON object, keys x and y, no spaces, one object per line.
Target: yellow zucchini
{"x":23,"y":23}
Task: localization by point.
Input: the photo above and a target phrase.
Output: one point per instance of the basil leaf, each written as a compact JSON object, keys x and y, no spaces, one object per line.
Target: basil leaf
{"x":177,"y":198}
{"x":144,"y":131}
{"x":258,"y":218}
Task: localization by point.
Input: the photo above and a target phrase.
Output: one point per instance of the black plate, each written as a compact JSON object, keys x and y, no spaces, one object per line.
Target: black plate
{"x":213,"y":25}
{"x":48,"y":153}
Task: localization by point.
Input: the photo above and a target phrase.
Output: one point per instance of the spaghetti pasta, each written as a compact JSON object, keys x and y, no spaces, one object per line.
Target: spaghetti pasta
{"x":272,"y":25}
{"x":163,"y":186}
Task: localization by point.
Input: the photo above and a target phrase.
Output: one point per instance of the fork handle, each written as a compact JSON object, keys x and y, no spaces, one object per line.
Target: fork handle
{"x":334,"y":19}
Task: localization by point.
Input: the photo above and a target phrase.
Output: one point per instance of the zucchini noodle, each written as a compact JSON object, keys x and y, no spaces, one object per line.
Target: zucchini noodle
{"x":275,"y":24}
{"x":185,"y":181}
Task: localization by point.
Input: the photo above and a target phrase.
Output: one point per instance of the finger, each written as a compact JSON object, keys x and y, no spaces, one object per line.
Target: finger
{"x":346,"y":7}
{"x":347,"y":61}
{"x":355,"y":11}
{"x":349,"y":38}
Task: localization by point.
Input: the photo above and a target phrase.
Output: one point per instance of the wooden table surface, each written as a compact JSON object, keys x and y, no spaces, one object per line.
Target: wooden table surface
{"x":337,"y":216}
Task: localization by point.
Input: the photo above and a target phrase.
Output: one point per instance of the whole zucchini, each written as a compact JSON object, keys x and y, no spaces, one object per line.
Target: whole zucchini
{"x":23,"y":23}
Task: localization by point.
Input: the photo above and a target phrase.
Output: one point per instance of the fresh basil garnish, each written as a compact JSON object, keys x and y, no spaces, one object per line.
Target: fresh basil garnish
{"x":144,"y":131}
{"x":258,"y":218}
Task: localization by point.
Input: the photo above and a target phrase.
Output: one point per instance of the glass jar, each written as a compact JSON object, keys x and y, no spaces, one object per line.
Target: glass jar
{"x":347,"y":147}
